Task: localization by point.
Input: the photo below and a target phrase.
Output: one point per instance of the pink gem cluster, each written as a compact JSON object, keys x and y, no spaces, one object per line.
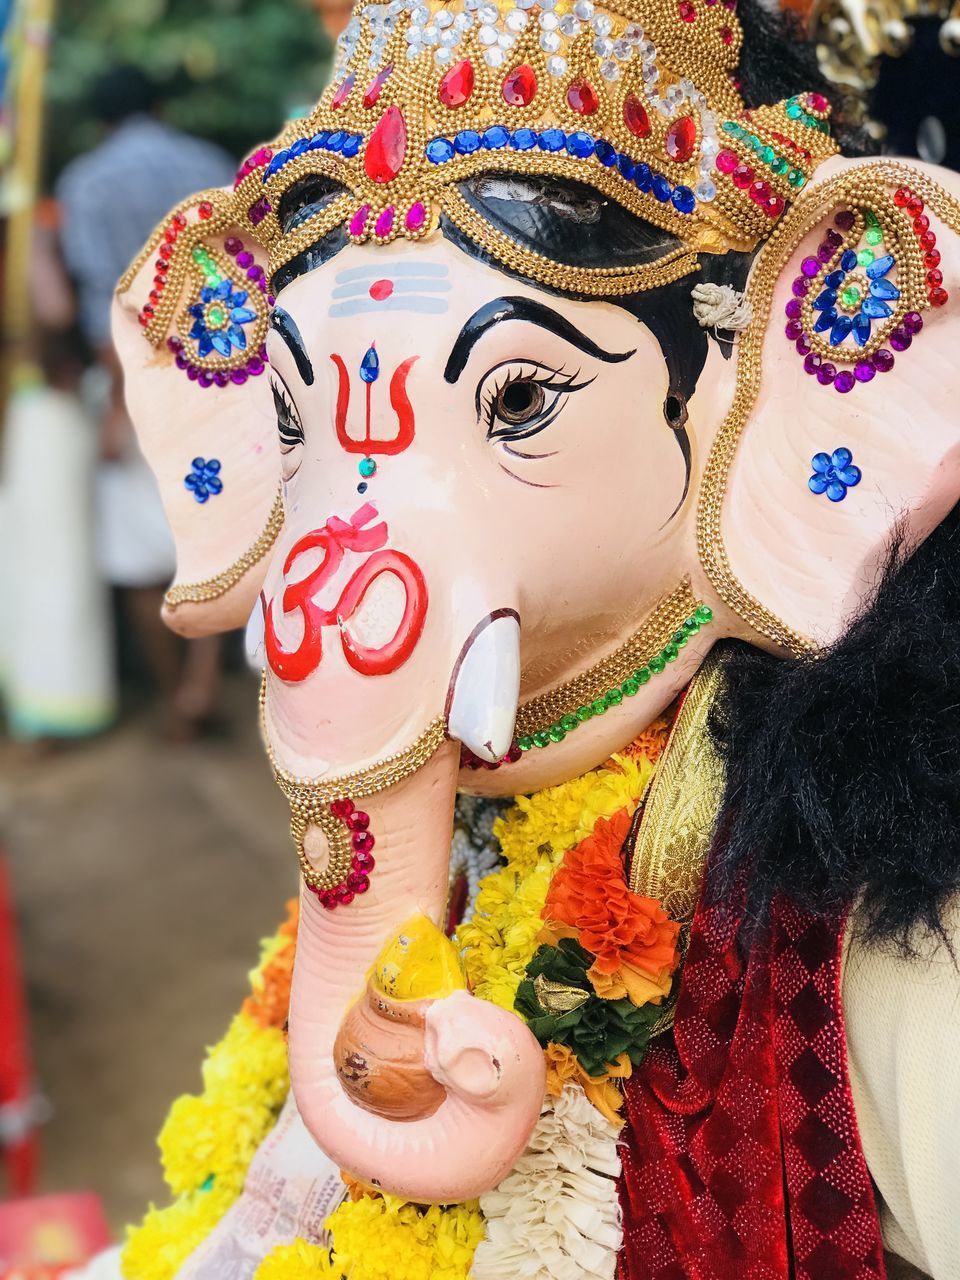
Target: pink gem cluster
{"x":358,"y":880}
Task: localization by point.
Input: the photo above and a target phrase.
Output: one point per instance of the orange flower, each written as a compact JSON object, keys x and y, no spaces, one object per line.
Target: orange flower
{"x":358,"y":1190}
{"x":652,"y":741}
{"x":589,"y":893}
{"x":563,"y":1068}
{"x":629,"y":983}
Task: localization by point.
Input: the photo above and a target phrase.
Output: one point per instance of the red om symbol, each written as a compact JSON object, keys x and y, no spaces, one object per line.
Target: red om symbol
{"x":335,"y":538}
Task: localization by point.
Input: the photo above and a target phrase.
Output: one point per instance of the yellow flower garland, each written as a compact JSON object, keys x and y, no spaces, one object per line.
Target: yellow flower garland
{"x":208,"y":1141}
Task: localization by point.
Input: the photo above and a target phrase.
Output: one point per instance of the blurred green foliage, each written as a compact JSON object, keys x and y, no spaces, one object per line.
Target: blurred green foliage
{"x":231,"y":70}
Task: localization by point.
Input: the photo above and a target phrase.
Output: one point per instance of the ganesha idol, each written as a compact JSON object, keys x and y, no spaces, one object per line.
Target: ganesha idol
{"x":574,"y":422}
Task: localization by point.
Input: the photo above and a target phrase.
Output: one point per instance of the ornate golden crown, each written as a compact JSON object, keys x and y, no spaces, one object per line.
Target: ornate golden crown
{"x":637,"y":100}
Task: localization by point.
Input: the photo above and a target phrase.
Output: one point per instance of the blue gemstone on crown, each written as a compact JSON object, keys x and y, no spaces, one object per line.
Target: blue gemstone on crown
{"x":552,"y":140}
{"x":466,"y":142}
{"x":524,"y":139}
{"x":440,"y":150}
{"x":661,"y":188}
{"x":684,"y":201}
{"x":495,"y":137}
{"x":581,"y":145}
{"x":605,"y":153}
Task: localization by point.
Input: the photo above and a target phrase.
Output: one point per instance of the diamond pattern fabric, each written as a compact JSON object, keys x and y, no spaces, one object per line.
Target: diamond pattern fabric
{"x":741,"y":1157}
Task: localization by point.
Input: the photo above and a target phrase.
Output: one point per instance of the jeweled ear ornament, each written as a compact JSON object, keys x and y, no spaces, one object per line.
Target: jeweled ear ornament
{"x":858,"y":298}
{"x":210,"y":302}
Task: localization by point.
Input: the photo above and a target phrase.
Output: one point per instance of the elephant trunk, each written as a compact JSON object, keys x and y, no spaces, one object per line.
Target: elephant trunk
{"x":404,"y":1079}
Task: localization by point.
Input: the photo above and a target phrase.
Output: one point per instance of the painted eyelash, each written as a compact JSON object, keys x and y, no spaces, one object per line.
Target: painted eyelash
{"x":556,"y":380}
{"x":288,"y":424}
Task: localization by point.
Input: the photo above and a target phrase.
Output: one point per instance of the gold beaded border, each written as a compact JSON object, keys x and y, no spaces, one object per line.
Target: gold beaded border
{"x":593,"y":281}
{"x":612,"y":670}
{"x":212,"y":588}
{"x":863,"y":185}
{"x":360,"y":783}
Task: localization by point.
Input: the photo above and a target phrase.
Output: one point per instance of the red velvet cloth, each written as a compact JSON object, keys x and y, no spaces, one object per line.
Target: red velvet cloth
{"x":741,"y":1157}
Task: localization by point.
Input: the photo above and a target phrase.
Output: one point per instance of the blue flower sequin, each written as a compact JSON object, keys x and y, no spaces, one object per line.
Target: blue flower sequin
{"x":204,"y":480}
{"x":875,"y":304}
{"x":833,"y":474}
{"x":218,"y":319}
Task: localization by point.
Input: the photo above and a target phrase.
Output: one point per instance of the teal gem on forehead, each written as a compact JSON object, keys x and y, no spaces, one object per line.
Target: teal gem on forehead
{"x":370,"y":366}
{"x":368,"y":468}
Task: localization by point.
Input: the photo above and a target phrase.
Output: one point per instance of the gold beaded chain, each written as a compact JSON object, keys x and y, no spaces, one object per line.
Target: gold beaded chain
{"x":864,"y":186}
{"x":310,"y":799}
{"x":217,"y":586}
{"x":610,"y":673}
{"x":607,"y":282}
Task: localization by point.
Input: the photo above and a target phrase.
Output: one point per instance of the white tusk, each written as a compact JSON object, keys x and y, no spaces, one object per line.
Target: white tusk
{"x":253,"y":639}
{"x":482,"y":704}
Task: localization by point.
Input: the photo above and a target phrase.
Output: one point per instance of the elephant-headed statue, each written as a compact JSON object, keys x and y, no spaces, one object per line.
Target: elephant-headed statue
{"x":549,"y":400}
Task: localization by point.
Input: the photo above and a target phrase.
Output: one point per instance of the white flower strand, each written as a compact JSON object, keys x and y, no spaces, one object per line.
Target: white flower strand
{"x":557,"y":1215}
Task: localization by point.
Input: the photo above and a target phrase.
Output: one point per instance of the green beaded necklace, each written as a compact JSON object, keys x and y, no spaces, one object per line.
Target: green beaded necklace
{"x":630,"y":687}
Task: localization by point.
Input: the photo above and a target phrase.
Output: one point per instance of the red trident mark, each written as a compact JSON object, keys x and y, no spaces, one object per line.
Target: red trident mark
{"x":398,"y":399}
{"x":335,"y":538}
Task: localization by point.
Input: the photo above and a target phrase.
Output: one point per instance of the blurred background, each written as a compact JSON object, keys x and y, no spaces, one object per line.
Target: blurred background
{"x":143,"y":842}
{"x":143,"y":845}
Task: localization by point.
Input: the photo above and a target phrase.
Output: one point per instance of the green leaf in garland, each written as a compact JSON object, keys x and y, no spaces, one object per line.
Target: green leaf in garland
{"x":596,"y":1031}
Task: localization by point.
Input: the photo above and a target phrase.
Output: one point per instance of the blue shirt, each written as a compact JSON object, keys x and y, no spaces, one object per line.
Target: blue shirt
{"x":114,"y":196}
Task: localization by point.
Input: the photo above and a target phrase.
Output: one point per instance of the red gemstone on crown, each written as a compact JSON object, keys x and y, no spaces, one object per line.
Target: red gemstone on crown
{"x":582,"y":98}
{"x":343,"y":91}
{"x":520,"y":86}
{"x":688,"y":11}
{"x":635,"y":116}
{"x":817,"y":102}
{"x":456,"y":87}
{"x":375,"y":88}
{"x":681,"y":139}
{"x":387,"y":148}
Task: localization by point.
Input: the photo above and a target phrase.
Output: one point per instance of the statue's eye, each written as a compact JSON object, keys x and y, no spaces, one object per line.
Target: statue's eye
{"x":519,"y":403}
{"x":289,"y":426}
{"x":516,"y":400}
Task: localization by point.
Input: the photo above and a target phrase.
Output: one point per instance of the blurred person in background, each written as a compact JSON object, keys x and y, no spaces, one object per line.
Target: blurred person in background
{"x":111,"y":199}
{"x":57,"y":661}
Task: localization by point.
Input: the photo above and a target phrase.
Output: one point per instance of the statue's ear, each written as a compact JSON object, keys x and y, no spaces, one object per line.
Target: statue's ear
{"x":846,"y":422}
{"x":190,"y":320}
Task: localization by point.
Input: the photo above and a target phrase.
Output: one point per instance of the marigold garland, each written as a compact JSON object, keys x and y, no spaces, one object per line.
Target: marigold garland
{"x":208,"y":1141}
{"x":624,"y":931}
{"x":499,"y":942}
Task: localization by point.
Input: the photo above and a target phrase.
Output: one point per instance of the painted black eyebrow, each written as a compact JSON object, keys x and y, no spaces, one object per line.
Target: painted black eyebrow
{"x":286,"y":326}
{"x":501,"y":309}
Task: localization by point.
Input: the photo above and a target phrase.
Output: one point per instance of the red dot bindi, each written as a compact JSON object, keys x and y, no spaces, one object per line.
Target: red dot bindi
{"x":381,"y":289}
